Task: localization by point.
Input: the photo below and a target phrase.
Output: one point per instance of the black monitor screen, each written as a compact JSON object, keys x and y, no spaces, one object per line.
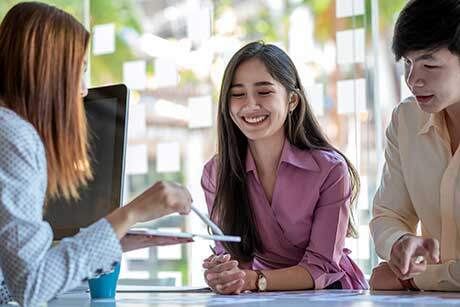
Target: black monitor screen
{"x":107,"y":120}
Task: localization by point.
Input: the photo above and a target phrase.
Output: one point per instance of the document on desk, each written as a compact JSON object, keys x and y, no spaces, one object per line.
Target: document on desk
{"x":154,"y":232}
{"x":161,"y":289}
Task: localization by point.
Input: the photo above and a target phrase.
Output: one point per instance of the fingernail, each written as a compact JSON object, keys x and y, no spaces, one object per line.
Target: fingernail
{"x":211,"y":276}
{"x":219,"y":287}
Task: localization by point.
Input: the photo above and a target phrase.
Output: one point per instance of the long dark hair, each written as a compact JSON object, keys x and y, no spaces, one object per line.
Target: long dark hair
{"x":231,"y":208}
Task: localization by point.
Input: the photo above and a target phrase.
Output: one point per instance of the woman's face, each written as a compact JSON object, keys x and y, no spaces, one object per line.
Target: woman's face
{"x":434,"y":78}
{"x":258,"y":103}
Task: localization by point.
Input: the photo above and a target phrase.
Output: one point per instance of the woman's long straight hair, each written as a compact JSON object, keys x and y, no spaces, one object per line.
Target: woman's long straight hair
{"x":231,"y":208}
{"x":41,"y":58}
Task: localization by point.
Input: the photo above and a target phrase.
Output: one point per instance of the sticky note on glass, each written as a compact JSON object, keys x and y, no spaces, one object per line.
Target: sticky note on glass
{"x":200,"y":112}
{"x":166,"y":74}
{"x":405,"y":91}
{"x":350,"y":46}
{"x":168,"y":157}
{"x":137,"y":159}
{"x":134,"y":75}
{"x":351,"y":96}
{"x":315,"y":96}
{"x":347,"y":8}
{"x":199,"y":24}
{"x":137,"y":126}
{"x":104,"y":39}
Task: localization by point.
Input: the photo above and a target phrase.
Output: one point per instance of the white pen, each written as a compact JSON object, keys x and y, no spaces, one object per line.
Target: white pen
{"x":207,"y":221}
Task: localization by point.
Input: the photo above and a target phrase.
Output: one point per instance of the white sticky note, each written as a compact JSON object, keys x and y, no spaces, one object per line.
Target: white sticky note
{"x":137,"y":159}
{"x":350,"y":46}
{"x":104,"y":39}
{"x":315,"y":96}
{"x":347,"y":8}
{"x":169,"y":252}
{"x":200,"y":112}
{"x":351,"y":96}
{"x":166,"y":74}
{"x":137,"y":125}
{"x":199,"y":24}
{"x":168,"y":157}
{"x":405,"y":91}
{"x":134,"y":75}
{"x":363,"y":242}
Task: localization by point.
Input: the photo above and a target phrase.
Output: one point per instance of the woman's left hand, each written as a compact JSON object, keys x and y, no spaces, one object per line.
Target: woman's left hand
{"x":223,"y":275}
{"x":383,"y":278}
{"x":132,"y":242}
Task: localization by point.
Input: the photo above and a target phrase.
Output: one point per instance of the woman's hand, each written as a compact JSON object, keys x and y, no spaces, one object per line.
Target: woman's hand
{"x":383,"y":278}
{"x":132,"y":242}
{"x":160,"y":199}
{"x":223,"y":275}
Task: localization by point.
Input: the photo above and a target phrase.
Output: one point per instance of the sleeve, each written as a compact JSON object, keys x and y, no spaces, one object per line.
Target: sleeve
{"x":440,"y":277}
{"x":208,"y":183}
{"x":329,"y":228}
{"x":393,"y":212}
{"x":35,"y":272}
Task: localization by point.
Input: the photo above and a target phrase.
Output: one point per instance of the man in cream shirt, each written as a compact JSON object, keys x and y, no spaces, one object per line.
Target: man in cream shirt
{"x":420,"y":182}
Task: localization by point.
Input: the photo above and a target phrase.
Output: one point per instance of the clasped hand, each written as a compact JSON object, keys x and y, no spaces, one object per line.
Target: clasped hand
{"x":223,"y":274}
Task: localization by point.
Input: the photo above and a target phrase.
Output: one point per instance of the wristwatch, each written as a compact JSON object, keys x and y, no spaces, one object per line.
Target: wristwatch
{"x":261,"y":281}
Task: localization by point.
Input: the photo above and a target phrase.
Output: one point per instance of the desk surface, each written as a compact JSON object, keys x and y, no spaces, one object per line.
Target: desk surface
{"x":329,"y":298}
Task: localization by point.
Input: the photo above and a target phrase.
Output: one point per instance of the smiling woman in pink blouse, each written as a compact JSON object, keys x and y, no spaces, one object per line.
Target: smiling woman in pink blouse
{"x":278,"y":183}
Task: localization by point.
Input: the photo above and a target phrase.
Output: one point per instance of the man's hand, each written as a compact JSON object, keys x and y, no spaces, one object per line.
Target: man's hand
{"x":410,"y":255}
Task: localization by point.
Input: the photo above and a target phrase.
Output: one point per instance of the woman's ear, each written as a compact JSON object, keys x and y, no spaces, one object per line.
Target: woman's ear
{"x":293,"y":101}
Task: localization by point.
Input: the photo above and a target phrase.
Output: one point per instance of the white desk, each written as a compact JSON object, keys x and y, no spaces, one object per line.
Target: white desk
{"x":329,"y":298}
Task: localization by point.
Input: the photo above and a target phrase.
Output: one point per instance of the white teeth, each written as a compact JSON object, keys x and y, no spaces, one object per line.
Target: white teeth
{"x":255,"y":120}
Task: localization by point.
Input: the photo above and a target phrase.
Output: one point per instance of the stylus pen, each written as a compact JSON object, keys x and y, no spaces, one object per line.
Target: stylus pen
{"x":207,"y":221}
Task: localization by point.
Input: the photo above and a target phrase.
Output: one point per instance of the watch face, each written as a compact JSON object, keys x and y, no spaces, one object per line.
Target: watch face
{"x":262,"y":284}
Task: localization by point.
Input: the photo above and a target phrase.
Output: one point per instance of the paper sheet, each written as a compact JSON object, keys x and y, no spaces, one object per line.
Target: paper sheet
{"x":315,"y":96}
{"x":137,"y":159}
{"x":134,"y":75}
{"x":104,"y":39}
{"x":350,"y":93}
{"x":347,"y":8}
{"x":350,"y":46}
{"x":168,"y":157}
{"x":200,"y":112}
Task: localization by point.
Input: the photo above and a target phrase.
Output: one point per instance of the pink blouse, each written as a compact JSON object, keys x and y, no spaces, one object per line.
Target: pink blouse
{"x":306,"y":223}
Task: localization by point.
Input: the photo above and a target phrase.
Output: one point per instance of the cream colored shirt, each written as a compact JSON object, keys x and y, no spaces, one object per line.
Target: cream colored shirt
{"x":420,"y":183}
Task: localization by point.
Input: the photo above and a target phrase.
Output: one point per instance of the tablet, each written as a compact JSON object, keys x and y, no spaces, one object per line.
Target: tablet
{"x":154,"y":232}
{"x":107,"y":113}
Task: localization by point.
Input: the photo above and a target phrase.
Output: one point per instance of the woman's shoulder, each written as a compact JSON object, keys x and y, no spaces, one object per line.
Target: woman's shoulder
{"x":209,"y":168}
{"x":16,"y":131}
{"x":327,"y":159}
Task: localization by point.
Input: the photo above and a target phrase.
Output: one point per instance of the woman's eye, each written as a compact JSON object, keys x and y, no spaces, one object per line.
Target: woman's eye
{"x":431,"y":66}
{"x":237,"y":94}
{"x":265,"y":93}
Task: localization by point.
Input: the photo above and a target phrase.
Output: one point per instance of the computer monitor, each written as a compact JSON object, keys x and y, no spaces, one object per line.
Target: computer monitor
{"x":107,"y":113}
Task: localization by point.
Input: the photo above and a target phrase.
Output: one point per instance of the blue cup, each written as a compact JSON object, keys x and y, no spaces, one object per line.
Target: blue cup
{"x":104,"y":286}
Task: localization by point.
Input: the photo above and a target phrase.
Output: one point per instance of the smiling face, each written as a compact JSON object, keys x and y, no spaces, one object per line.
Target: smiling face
{"x":258,"y":103}
{"x":434,"y":78}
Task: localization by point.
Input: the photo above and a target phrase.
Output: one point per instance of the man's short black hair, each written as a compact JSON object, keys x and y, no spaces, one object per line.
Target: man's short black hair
{"x":427,"y":25}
